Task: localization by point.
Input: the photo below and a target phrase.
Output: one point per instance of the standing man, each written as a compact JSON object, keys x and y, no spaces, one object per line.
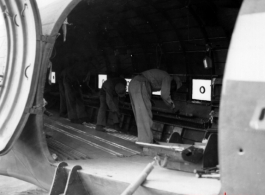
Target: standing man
{"x":140,"y":90}
{"x":112,"y":89}
{"x":71,"y":99}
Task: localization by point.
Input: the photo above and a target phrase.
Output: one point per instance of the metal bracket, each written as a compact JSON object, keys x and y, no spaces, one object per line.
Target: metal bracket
{"x":26,"y":71}
{"x":34,"y":110}
{"x":59,"y":180}
{"x":23,"y":10}
{"x":48,"y":39}
{"x":5,"y":12}
{"x":67,"y":183}
{"x":15,"y":20}
{"x":161,"y":161}
{"x":74,"y":184}
{"x":257,"y":121}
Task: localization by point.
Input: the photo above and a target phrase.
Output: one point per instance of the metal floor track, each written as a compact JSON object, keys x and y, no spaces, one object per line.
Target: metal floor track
{"x":68,"y":141}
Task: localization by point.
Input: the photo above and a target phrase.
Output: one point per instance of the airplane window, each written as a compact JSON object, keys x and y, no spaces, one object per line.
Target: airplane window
{"x":201,"y":89}
{"x":101,"y":79}
{"x":156,"y":93}
{"x":127,"y":86}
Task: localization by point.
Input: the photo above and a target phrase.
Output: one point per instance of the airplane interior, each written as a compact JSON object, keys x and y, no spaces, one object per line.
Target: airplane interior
{"x":93,"y":41}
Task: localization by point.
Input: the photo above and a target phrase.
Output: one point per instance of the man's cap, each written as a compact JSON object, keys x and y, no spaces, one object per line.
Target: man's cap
{"x":120,"y":89}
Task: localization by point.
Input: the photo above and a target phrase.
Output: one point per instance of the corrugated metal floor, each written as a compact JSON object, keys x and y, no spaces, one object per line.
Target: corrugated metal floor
{"x":77,"y":142}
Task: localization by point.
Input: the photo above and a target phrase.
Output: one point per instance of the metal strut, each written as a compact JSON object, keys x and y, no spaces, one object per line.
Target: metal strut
{"x":74,"y":184}
{"x":59,"y":180}
{"x":67,"y":182}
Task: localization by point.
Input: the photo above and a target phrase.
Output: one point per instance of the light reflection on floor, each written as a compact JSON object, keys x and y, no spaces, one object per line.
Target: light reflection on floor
{"x":13,"y":186}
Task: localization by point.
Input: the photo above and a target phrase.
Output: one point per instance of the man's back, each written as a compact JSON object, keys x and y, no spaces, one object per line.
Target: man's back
{"x":109,"y":85}
{"x":156,"y":78}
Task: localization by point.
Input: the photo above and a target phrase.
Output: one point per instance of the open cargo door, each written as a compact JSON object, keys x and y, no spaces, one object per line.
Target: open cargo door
{"x":26,"y":42}
{"x":20,"y":60}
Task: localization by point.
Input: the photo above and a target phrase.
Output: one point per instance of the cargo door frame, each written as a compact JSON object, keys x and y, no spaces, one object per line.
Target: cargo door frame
{"x":26,"y":155}
{"x":20,"y":68}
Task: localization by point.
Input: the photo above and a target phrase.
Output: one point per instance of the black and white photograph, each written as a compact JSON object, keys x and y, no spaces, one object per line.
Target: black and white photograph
{"x":132,"y":97}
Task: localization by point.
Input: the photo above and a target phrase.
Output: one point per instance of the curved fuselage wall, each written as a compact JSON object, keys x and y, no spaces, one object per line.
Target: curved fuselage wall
{"x":242,"y":126}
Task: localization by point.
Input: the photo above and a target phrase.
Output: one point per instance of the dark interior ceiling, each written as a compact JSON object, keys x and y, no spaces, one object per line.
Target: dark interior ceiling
{"x":130,"y":36}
